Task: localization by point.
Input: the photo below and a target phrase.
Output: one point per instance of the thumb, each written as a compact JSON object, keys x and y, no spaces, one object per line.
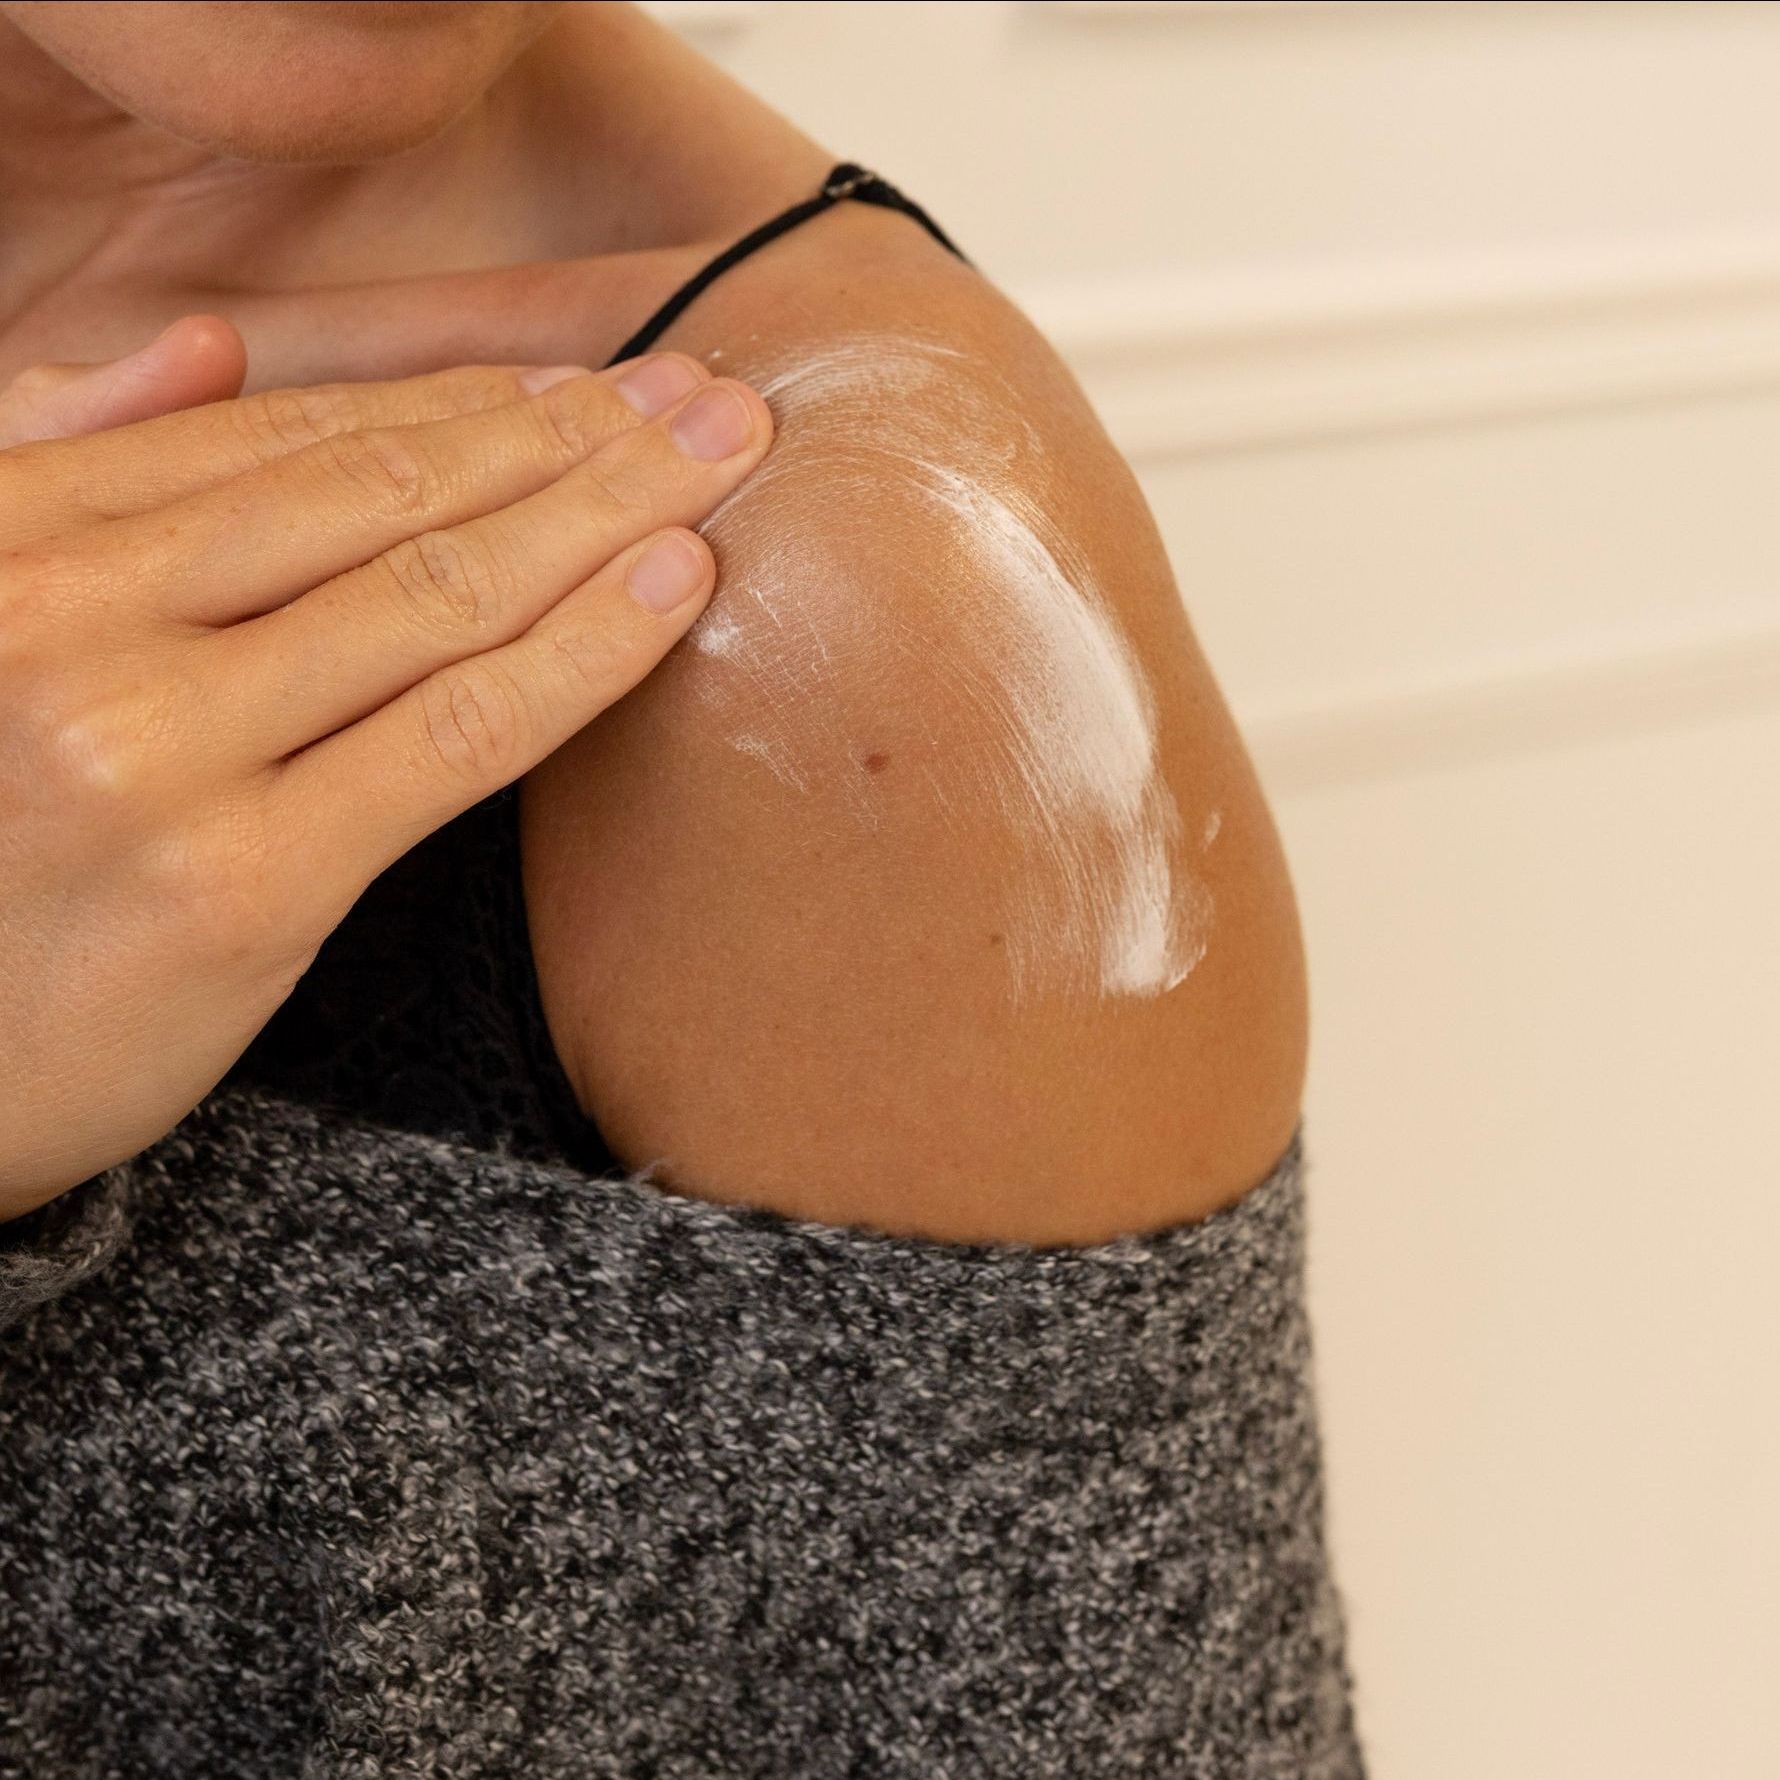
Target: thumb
{"x":200,"y":358}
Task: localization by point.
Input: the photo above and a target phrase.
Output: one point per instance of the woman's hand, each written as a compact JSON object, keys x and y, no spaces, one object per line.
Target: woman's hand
{"x":251,"y":652}
{"x":200,"y":358}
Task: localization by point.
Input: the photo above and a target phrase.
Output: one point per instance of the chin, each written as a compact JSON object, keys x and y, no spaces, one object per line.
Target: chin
{"x":272,"y":80}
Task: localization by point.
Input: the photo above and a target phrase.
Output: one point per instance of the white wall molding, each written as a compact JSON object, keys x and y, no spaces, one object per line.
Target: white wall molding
{"x":1590,"y":689}
{"x":1179,"y":364}
{"x":1118,"y":12}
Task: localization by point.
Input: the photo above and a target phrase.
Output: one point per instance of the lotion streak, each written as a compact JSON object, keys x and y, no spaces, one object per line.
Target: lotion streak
{"x":1100,"y":901}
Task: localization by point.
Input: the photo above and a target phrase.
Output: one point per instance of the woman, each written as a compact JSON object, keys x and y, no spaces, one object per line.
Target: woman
{"x":933,"y":1398}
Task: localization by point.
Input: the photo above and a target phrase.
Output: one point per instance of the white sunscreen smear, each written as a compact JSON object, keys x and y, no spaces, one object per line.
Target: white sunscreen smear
{"x":1100,"y":900}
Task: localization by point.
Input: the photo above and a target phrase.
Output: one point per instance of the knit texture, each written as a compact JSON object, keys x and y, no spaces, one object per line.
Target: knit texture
{"x":332,"y":1450}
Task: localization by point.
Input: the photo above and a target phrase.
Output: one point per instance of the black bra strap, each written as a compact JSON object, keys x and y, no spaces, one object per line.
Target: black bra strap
{"x":846,"y":181}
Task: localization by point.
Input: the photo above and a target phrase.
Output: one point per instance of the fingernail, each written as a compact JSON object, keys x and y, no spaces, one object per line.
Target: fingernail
{"x":714,"y":424}
{"x":667,"y":574}
{"x":657,"y":383}
{"x":549,"y":376}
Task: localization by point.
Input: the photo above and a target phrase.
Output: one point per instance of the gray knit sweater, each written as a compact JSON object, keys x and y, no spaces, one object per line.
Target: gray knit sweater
{"x":330,"y":1450}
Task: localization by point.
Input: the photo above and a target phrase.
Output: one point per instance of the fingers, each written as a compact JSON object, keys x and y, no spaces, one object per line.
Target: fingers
{"x":46,"y":486}
{"x":200,"y":358}
{"x":375,"y":789}
{"x":279,"y":682}
{"x":248,"y":545}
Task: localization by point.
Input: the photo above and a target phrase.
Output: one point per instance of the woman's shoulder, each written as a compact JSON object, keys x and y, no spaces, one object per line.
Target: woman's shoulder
{"x":927,"y":884}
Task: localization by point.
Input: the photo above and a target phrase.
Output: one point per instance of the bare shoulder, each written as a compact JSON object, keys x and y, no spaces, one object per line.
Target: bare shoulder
{"x":927,"y":885}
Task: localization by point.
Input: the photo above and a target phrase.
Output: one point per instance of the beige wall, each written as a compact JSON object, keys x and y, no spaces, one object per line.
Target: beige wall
{"x":1447,"y":342}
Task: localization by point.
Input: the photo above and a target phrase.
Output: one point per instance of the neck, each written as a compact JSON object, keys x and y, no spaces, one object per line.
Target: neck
{"x":94,"y":202}
{"x":608,"y":140}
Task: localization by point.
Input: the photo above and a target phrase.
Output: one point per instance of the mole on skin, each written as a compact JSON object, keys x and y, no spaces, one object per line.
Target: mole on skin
{"x":1102,"y":899}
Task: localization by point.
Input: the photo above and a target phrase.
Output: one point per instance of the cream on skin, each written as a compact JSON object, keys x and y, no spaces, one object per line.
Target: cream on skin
{"x":1101,"y":901}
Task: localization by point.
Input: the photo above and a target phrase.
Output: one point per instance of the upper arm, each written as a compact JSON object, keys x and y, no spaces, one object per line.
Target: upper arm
{"x":927,"y":884}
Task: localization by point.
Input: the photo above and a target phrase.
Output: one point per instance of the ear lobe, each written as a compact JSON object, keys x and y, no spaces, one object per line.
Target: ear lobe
{"x":199,"y":359}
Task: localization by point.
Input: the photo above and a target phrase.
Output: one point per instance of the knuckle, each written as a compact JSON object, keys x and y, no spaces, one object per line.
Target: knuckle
{"x":575,"y":417}
{"x":474,"y":721}
{"x":590,"y":656}
{"x":87,"y":752}
{"x":380,"y":465}
{"x":284,"y":420}
{"x":622,"y":496}
{"x":451,"y":575}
